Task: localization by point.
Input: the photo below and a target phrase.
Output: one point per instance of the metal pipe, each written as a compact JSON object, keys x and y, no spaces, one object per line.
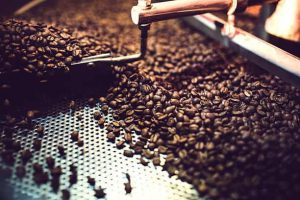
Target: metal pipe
{"x":179,"y":8}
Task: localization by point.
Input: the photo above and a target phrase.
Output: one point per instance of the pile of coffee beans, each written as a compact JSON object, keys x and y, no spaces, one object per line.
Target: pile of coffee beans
{"x":202,"y":112}
{"x":36,"y":48}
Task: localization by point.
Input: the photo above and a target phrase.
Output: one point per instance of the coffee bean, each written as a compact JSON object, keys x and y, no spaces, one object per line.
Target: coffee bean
{"x":26,"y":155}
{"x":37,"y":144}
{"x":80,"y":143}
{"x":72,"y":105}
{"x":75,"y":135}
{"x":91,"y":180}
{"x":97,"y":115}
{"x":101,"y":121}
{"x":50,"y":162}
{"x":128,"y":153}
{"x":128,"y":137}
{"x":56,"y":171}
{"x":40,"y":130}
{"x":144,"y":162}
{"x":65,"y":194}
{"x":61,"y":150}
{"x":120,"y":144}
{"x":156,"y":161}
{"x":20,"y":171}
{"x":99,"y":193}
{"x":111,"y":136}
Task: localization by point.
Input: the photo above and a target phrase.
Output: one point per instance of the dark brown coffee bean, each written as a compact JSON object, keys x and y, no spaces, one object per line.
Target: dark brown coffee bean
{"x":128,"y":187}
{"x":20,"y":171}
{"x":61,"y":150}
{"x":50,"y":162}
{"x":37,"y":144}
{"x":73,"y":178}
{"x":128,"y":153}
{"x":111,"y":137}
{"x":156,"y":161}
{"x":37,"y":168}
{"x":80,"y":143}
{"x":104,"y":109}
{"x":91,"y":180}
{"x":65,"y":194}
{"x":26,"y":155}
{"x":101,"y":121}
{"x":144,"y":162}
{"x":40,"y":178}
{"x":127,"y":137}
{"x":75,"y":135}
{"x":97,"y":115}
{"x":40,"y":130}
{"x":99,"y":193}
{"x":72,"y":105}
{"x":120,"y":144}
{"x":56,"y":171}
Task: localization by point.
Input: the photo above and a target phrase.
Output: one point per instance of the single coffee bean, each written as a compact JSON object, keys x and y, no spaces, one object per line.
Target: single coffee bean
{"x":91,"y":180}
{"x":61,"y":150}
{"x":50,"y":162}
{"x":37,"y":144}
{"x":128,"y":153}
{"x":20,"y":171}
{"x":99,"y":193}
{"x":75,"y":135}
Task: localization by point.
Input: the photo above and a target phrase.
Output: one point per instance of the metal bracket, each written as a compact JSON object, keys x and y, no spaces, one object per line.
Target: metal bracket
{"x":105,"y":58}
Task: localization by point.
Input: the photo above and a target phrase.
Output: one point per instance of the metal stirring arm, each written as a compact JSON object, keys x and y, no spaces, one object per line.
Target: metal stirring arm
{"x":105,"y":58}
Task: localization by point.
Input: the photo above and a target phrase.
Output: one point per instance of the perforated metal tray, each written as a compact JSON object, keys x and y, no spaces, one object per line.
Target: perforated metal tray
{"x":98,"y":158}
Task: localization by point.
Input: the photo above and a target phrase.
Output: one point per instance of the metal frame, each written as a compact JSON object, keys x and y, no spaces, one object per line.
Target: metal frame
{"x":260,"y":52}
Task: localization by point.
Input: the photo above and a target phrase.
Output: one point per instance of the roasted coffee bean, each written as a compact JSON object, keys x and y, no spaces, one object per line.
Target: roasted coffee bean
{"x":55,"y":182}
{"x":97,"y":115}
{"x":111,"y":137}
{"x":128,"y":153}
{"x":56,"y":171}
{"x":104,"y":109}
{"x":128,"y":137}
{"x":40,"y":177}
{"x":37,"y":144}
{"x":37,"y":168}
{"x":128,"y":187}
{"x":80,"y":143}
{"x":72,"y":105}
{"x":65,"y":194}
{"x":75,"y":135}
{"x":40,"y":130}
{"x":156,"y":161}
{"x":120,"y":144}
{"x":144,"y":162}
{"x":99,"y":193}
{"x":20,"y":171}
{"x":101,"y":121}
{"x":46,"y":49}
{"x":8,"y":157}
{"x":25,"y":155}
{"x":91,"y":180}
{"x":61,"y":150}
{"x":91,"y":101}
{"x":50,"y":162}
{"x":73,"y":178}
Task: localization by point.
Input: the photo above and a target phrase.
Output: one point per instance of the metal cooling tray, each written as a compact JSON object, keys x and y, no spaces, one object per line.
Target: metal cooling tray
{"x":98,"y":158}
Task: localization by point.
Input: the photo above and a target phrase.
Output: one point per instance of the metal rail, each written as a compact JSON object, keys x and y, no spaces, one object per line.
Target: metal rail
{"x":260,"y":52}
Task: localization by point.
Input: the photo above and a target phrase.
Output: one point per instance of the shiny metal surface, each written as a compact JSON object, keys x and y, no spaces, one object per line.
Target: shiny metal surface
{"x":98,"y":158}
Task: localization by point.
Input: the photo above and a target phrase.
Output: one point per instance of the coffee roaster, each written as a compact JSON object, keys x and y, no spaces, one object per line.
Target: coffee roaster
{"x":100,"y":159}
